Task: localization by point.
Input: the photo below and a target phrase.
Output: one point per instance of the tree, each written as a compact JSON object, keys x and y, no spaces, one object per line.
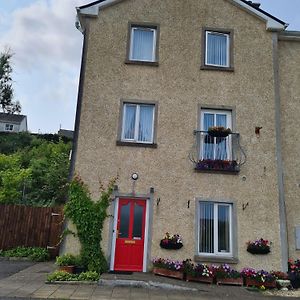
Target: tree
{"x":6,"y":90}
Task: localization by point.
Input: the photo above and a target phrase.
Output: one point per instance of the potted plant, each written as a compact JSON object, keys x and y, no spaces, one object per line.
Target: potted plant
{"x":171,"y":241}
{"x":168,"y":268}
{"x":66,"y":262}
{"x":199,"y":272}
{"x":282,"y":280}
{"x":294,"y":273}
{"x":226,"y":275}
{"x":258,"y":278}
{"x":217,"y":164}
{"x":259,"y":246}
{"x":219,"y":131}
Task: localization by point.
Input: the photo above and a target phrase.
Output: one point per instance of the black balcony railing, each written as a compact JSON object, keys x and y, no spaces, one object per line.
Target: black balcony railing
{"x":217,"y":152}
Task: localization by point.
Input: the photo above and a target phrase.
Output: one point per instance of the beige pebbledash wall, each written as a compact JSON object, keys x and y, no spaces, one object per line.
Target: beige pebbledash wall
{"x":180,"y":86}
{"x":289,"y":63}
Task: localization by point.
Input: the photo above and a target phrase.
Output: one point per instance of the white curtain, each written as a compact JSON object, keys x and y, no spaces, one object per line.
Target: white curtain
{"x":221,"y":143}
{"x":216,"y":49}
{"x":146,"y":123}
{"x":129,"y":121}
{"x":208,"y":141}
{"x":142,"y":44}
{"x":223,"y":228}
{"x":206,"y":227}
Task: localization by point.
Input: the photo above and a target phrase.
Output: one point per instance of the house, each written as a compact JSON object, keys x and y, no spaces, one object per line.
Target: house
{"x":66,"y":133}
{"x":12,"y":122}
{"x":156,"y":78}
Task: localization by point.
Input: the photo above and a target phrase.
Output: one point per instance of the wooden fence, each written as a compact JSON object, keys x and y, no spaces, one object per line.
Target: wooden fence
{"x":31,"y":227}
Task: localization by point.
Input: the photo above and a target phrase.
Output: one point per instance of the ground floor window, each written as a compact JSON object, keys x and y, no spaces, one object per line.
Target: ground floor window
{"x":215,"y":228}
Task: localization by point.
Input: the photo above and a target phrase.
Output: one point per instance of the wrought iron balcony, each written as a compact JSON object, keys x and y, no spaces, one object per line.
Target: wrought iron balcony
{"x":213,"y":152}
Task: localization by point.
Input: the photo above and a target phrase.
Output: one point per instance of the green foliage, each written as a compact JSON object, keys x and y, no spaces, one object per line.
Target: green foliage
{"x":67,"y":260}
{"x":36,"y":175}
{"x":33,"y":253}
{"x":88,"y":217}
{"x":64,"y":276}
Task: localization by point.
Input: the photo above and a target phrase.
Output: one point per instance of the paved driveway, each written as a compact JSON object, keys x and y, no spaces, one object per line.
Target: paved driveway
{"x":8,"y":268}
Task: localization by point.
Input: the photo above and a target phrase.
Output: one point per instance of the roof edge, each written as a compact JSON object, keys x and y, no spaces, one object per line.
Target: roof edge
{"x":272,"y":23}
{"x":289,"y":36}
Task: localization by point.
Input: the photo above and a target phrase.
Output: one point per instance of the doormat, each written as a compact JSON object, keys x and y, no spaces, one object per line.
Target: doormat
{"x":121,"y":272}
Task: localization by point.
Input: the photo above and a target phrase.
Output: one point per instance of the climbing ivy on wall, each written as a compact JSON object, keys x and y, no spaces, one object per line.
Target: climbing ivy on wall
{"x":88,"y":216}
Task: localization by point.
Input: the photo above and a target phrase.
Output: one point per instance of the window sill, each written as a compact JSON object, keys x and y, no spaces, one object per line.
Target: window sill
{"x":216,"y":259}
{"x":136,"y":144}
{"x":143,"y":63}
{"x":214,"y":68}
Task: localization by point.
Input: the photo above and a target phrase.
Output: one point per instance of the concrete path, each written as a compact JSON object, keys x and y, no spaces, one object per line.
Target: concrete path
{"x":8,"y":268}
{"x":30,"y":283}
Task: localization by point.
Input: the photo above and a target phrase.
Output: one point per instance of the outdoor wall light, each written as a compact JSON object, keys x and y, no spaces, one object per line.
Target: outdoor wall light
{"x":135,"y":176}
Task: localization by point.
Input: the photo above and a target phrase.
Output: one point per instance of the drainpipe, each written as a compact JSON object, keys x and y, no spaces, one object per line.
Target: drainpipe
{"x":282,"y":207}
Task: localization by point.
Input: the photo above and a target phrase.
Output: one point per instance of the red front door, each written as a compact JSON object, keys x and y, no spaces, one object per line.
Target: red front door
{"x":130,"y":235}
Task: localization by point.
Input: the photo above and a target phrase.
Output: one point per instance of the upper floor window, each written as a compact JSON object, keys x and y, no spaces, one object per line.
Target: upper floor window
{"x":215,"y":148}
{"x":137,"y":124}
{"x":143,"y":44}
{"x":9,"y":127}
{"x":217,"y":48}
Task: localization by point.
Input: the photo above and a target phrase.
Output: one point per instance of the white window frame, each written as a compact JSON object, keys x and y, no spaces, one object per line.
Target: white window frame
{"x":133,"y":28}
{"x":207,"y":32}
{"x":137,"y":120}
{"x":216,"y":252}
{"x":9,"y":127}
{"x":215,"y":112}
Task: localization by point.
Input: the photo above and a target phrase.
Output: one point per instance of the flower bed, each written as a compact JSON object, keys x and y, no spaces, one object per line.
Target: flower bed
{"x":258,"y":278}
{"x":168,"y":268}
{"x":226,"y":275}
{"x":199,"y":272}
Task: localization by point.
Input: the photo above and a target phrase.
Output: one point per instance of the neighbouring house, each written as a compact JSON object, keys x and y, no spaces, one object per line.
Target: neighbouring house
{"x":158,"y":80}
{"x":66,"y":133}
{"x":12,"y":122}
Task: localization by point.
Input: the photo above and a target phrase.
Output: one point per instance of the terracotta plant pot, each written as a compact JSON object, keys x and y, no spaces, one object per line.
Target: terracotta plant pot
{"x":203,"y":279}
{"x":68,"y":269}
{"x":253,"y":282}
{"x":230,"y":281}
{"x":168,"y":273}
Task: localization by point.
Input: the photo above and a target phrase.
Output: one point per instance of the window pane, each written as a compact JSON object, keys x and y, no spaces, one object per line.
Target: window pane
{"x":124,"y":221}
{"x":216,"y":49}
{"x":138,"y":221}
{"x":142,"y":44}
{"x":206,"y":227}
{"x":208,"y":145}
{"x":223,"y":228}
{"x":146,"y":123}
{"x":221,"y":142}
{"x":129,"y":121}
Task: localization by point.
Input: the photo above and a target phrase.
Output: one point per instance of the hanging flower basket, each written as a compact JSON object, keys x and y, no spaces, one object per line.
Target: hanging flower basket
{"x":172,"y":242}
{"x":219,"y":131}
{"x":260,"y":246}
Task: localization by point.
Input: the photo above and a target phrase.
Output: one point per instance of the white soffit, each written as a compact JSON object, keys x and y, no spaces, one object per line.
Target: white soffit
{"x":271,"y":24}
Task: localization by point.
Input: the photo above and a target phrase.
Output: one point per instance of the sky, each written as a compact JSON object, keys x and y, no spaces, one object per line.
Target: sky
{"x":47,"y":54}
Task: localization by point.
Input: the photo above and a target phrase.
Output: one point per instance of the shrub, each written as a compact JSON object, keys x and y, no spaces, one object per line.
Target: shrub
{"x":64,"y":276}
{"x":33,"y":253}
{"x":67,"y":260}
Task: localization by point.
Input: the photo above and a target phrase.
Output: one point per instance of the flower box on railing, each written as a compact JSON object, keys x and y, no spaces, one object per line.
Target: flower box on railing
{"x":217,"y":165}
{"x":168,"y":273}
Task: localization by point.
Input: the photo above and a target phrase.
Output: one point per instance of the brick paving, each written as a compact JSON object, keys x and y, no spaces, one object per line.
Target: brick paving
{"x":30,"y":284}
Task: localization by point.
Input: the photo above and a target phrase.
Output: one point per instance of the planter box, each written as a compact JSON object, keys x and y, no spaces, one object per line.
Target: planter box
{"x":252,"y":282}
{"x":230,"y":281}
{"x":200,"y":279}
{"x":168,"y":273}
{"x":68,"y":269}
